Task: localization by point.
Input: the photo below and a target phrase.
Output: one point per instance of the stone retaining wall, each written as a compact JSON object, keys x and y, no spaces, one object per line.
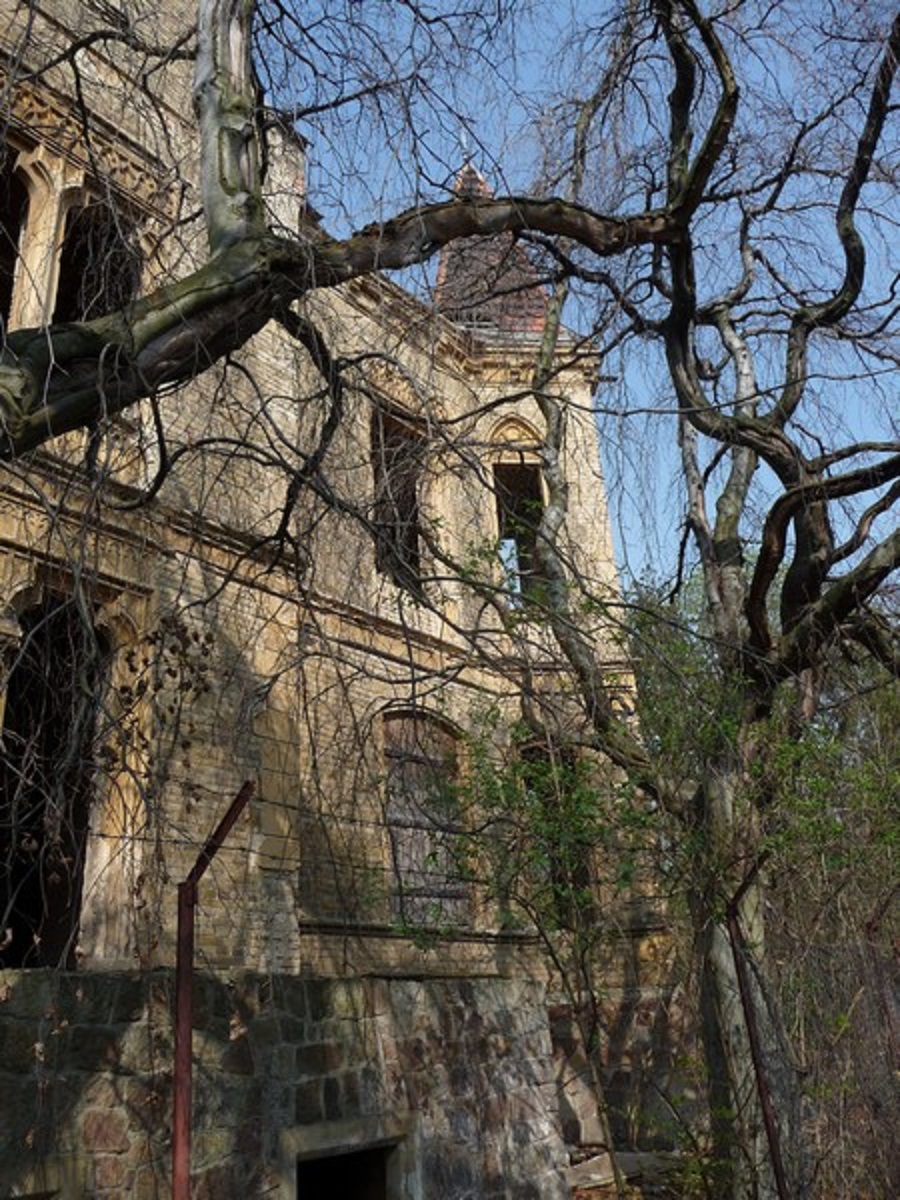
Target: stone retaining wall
{"x":451,"y":1077}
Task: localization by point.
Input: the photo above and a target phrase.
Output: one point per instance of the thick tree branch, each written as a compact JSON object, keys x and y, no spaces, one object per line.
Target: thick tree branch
{"x":65,"y":377}
{"x":799,"y":648}
{"x":774,"y":538}
{"x":836,"y":307}
{"x":723,"y":119}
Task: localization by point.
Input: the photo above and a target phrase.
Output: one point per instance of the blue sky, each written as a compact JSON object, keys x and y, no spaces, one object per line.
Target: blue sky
{"x":499,"y":103}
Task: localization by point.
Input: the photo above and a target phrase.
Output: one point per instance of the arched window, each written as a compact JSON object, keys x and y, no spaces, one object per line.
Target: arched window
{"x":13,"y":216}
{"x":398,"y":461}
{"x":99,"y":265}
{"x":52,"y":696}
{"x":423,"y":820}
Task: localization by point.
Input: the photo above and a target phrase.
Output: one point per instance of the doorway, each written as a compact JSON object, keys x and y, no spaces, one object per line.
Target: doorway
{"x":360,"y":1174}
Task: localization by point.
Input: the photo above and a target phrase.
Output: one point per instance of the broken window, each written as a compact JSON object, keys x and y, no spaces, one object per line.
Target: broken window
{"x":520,"y":504}
{"x":398,"y":458}
{"x":46,"y":766}
{"x":13,"y":216}
{"x":100,"y":263}
{"x":424,"y":823}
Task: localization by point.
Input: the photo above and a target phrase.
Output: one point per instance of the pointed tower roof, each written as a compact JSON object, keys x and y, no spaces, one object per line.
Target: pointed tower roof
{"x":488,"y":282}
{"x":470,"y":184}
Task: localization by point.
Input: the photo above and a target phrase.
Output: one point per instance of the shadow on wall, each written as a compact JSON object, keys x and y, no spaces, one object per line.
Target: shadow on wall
{"x":640,"y":1056}
{"x":459,"y":1066}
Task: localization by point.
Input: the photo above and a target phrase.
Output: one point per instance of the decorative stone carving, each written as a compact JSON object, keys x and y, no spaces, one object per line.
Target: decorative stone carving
{"x":136,"y":174}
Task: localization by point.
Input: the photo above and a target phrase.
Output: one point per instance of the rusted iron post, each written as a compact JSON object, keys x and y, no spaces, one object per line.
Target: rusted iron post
{"x":184,"y":1003}
{"x":184,"y":998}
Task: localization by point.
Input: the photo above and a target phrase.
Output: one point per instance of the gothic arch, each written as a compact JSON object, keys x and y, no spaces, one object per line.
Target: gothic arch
{"x":514,"y":436}
{"x":99,"y":263}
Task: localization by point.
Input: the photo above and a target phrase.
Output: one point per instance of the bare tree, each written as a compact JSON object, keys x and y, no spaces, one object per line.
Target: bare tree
{"x":786,"y":577}
{"x":723,"y":217}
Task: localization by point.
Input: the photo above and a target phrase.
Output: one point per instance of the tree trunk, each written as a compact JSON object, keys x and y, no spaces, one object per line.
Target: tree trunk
{"x":753,"y":1085}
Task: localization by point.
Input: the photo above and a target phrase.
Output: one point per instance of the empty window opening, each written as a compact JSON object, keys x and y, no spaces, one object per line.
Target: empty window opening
{"x":45,"y":784}
{"x":520,"y":504}
{"x":398,"y":455}
{"x":563,"y":831}
{"x":362,"y":1175}
{"x":100,"y":264}
{"x":13,"y":216}
{"x":424,"y":822}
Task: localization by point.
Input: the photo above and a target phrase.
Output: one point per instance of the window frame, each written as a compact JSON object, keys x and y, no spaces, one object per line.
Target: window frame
{"x":426,"y":889}
{"x":121,"y":222}
{"x":398,"y":535}
{"x":515,"y":447}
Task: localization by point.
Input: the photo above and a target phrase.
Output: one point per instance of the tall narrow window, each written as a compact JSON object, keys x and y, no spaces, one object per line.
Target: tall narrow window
{"x":13,"y":216}
{"x":100,"y":264}
{"x":517,"y":487}
{"x":45,"y":780}
{"x":424,"y":822}
{"x":562,"y":817}
{"x":398,"y":456}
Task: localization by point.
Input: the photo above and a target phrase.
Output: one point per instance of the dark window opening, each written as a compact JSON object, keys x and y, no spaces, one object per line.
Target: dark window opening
{"x":520,"y":504}
{"x":361,"y":1175}
{"x":424,"y":822}
{"x":562,"y":816}
{"x":13,"y":216}
{"x":45,"y":784}
{"x":398,"y":455}
{"x":100,"y":264}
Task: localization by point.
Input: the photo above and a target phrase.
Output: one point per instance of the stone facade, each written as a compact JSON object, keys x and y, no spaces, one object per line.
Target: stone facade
{"x":360,"y":996}
{"x":445,"y":1080}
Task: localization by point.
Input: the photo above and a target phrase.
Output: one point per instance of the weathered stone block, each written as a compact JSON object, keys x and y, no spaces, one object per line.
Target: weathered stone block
{"x":93,"y":1048}
{"x":129,"y":1000}
{"x":150,"y":1183}
{"x":143,"y":1048}
{"x":27,"y":994}
{"x":19,"y":1107}
{"x":237,"y":1057}
{"x":21,"y":1046}
{"x":265,"y":1034}
{"x":319,"y":1059}
{"x":101,"y":1092}
{"x":293,"y":1029}
{"x":218,"y":1183}
{"x":332,"y":1100}
{"x":318,"y":999}
{"x":290,"y":994}
{"x":308,"y":1103}
{"x":105,"y":1131}
{"x":111,"y":1172}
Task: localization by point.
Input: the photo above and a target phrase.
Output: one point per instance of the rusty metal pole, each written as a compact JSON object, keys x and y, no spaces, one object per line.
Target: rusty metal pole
{"x":184,"y":1004}
{"x":184,"y":998}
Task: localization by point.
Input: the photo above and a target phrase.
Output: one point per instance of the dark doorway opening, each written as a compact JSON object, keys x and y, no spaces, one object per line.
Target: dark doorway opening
{"x":46,"y":767}
{"x":361,"y":1175}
